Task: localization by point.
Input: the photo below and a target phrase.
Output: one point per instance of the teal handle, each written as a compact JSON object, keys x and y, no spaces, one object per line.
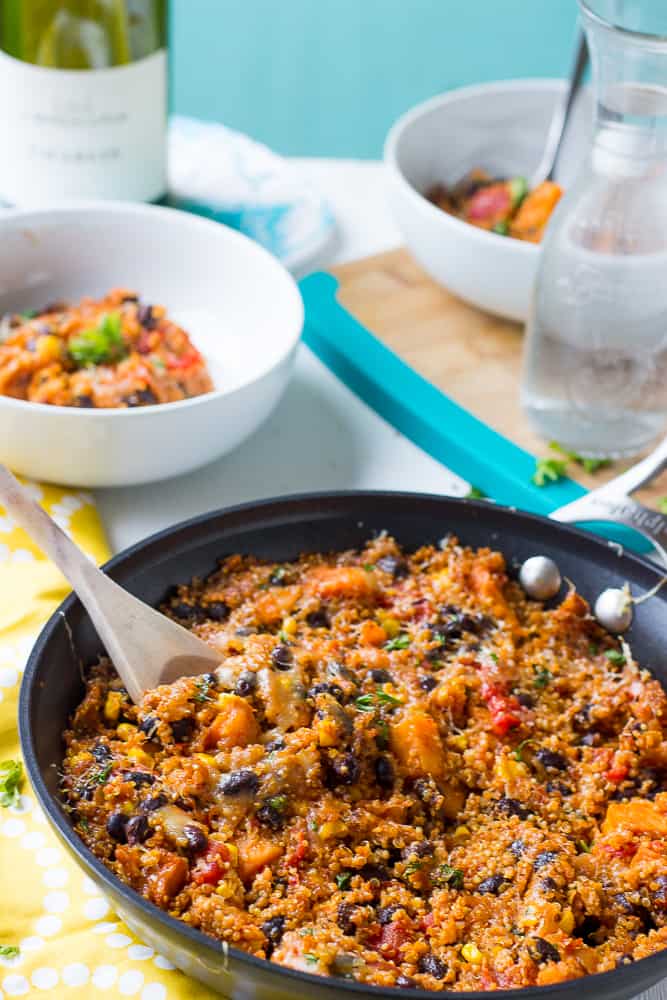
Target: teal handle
{"x":424,"y":414}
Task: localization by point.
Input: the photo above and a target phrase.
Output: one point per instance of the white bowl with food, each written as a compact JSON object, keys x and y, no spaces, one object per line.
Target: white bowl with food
{"x":501,"y":128}
{"x":175,"y":368}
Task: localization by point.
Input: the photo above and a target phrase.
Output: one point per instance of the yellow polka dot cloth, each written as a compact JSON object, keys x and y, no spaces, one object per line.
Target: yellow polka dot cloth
{"x":70,"y":943}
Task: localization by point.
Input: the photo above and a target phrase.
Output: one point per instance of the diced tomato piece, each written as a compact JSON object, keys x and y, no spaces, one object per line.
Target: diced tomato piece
{"x":504,"y":708}
{"x":298,"y":854}
{"x":392,"y":938}
{"x":617,"y":773}
{"x":212,"y":865}
{"x":186,"y":360}
{"x":490,"y":205}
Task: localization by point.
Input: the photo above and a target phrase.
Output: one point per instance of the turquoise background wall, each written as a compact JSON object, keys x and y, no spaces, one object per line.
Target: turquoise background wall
{"x":327,"y":77}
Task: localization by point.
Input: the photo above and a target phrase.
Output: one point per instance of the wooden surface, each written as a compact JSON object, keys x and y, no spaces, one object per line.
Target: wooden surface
{"x":471,"y":356}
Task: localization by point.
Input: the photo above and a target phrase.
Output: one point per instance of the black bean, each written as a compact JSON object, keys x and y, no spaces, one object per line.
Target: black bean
{"x":545,"y":858}
{"x":336,"y":669}
{"x":241,"y":782}
{"x":137,"y":830}
{"x":405,"y":983}
{"x":272,"y":812}
{"x":624,"y":960}
{"x":196,"y":838}
{"x":130,"y":298}
{"x":84,"y":402}
{"x":281,"y":657}
{"x":384,"y":772}
{"x":345,"y":769}
{"x":116,"y":827}
{"x":345,"y":911}
{"x":380,"y":676}
{"x":548,"y":884}
{"x":550,"y":759}
{"x":432,"y":966}
{"x":217,"y":611}
{"x":182,"y":729}
{"x":623,"y":903}
{"x":273,"y":928}
{"x":659,"y":896}
{"x":393,"y":565}
{"x":512,"y":807}
{"x":146,"y":318}
{"x":586,"y":929}
{"x":154,"y":802}
{"x":591,"y":739}
{"x":372,"y":872}
{"x":325,"y":687}
{"x":558,"y":786}
{"x":101,"y":753}
{"x":543,"y":951}
{"x":149,"y":726}
{"x":276,"y":744}
{"x":386,"y":913}
{"x":421,"y":848}
{"x":139,"y":778}
{"x":245,"y":630}
{"x":427,"y":682}
{"x":517,"y":848}
{"x":525,"y":700}
{"x":246,"y":684}
{"x":279,"y":577}
{"x":186,"y":612}
{"x":581,"y":719}
{"x":318,"y":619}
{"x":142,"y":397}
{"x":492,"y":885}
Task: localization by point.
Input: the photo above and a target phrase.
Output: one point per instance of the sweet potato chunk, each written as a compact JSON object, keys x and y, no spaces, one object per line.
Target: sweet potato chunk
{"x":416,"y":742}
{"x":234,"y":726}
{"x":637,"y":815}
{"x":350,"y":582}
{"x":255,"y":853}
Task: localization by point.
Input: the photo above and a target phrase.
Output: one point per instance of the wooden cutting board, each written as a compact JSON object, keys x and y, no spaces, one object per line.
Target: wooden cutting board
{"x":473,"y":357}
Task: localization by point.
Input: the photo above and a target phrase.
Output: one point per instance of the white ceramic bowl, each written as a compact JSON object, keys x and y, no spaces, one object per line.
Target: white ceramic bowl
{"x":241,"y":307}
{"x":501,"y":127}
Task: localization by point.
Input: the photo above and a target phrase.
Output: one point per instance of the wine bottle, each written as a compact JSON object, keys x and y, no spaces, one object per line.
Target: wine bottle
{"x":83,"y":100}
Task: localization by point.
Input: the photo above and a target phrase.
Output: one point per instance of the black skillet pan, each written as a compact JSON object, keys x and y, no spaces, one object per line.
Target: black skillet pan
{"x":281,"y":529}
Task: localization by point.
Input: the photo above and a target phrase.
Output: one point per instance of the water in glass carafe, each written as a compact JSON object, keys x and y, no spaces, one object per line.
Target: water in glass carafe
{"x":595,"y":366}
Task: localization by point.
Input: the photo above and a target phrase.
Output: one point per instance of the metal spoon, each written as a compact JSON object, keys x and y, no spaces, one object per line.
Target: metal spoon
{"x":147,"y":648}
{"x":547,"y":165}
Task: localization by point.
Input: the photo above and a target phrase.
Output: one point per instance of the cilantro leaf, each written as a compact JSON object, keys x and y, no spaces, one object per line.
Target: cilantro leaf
{"x":474,"y":493}
{"x":401,"y":641}
{"x":615,"y":657}
{"x":11,"y":779}
{"x":446,"y":875}
{"x":518,"y":753}
{"x":542,"y":676}
{"x":588,"y":464}
{"x":343,"y":880}
{"x":99,"y":345}
{"x":548,"y":470}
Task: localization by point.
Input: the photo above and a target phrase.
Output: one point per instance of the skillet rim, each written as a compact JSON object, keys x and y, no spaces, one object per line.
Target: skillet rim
{"x":197,"y":939}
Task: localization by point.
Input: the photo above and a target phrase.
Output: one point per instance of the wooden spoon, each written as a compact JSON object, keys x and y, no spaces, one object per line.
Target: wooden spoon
{"x":146,"y":648}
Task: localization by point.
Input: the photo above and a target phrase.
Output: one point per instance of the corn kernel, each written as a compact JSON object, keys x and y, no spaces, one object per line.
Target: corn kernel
{"x":290,"y":626}
{"x":471,"y":953}
{"x":125,"y":731}
{"x":567,"y":922}
{"x":327,"y":733}
{"x":141,"y":757}
{"x":235,"y":644}
{"x":461,"y":832}
{"x":112,"y":705}
{"x":224,"y":889}
{"x":509,"y":770}
{"x":207,"y":758}
{"x":332,"y":829}
{"x":459,"y":742}
{"x":233,"y":853}
{"x":48,"y":347}
{"x":391,"y":625}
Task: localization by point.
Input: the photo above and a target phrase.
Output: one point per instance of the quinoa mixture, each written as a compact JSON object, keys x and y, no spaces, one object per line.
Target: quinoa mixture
{"x":404,"y":773}
{"x":100,"y":353}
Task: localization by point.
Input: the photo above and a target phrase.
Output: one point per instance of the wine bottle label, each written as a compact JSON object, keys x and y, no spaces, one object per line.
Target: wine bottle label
{"x":83,"y":133}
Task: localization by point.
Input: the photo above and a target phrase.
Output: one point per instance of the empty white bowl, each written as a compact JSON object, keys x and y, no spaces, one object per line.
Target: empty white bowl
{"x":240,"y":306}
{"x":501,"y":127}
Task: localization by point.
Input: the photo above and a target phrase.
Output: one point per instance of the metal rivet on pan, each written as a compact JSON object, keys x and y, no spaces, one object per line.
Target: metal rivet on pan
{"x":540,"y":577}
{"x":613,"y":609}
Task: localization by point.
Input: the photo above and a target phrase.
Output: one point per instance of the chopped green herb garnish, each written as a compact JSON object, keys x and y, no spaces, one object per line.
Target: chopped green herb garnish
{"x":83,"y":823}
{"x":283,"y":636}
{"x":365,"y":702}
{"x":384,"y":698}
{"x":278,"y":575}
{"x":548,"y":470}
{"x":584,"y":847}
{"x":343,"y":880}
{"x":588,"y":464}
{"x":369,"y":567}
{"x":446,"y":875}
{"x":382,"y":738}
{"x":501,"y":228}
{"x":103,"y":344}
{"x":11,"y":779}
{"x":29,"y":313}
{"x":157,"y":363}
{"x":401,"y":641}
{"x":100,"y":777}
{"x":278,"y":803}
{"x":203,"y":687}
{"x":9,"y":950}
{"x":518,"y":190}
{"x":314,"y":825}
{"x":542,"y":676}
{"x":474,"y":493}
{"x":615,"y":657}
{"x":412,"y":867}
{"x":494,"y":657}
{"x":518,"y":753}
{"x":593,"y":649}
{"x":309,"y":957}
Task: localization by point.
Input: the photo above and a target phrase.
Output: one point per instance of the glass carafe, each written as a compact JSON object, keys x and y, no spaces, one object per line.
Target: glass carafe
{"x":595,"y":365}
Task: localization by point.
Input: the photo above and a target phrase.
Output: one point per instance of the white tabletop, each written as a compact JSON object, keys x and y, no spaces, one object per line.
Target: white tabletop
{"x":321,"y":436}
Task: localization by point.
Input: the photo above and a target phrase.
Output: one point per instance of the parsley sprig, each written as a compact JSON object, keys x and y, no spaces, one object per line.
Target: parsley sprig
{"x":543,"y":676}
{"x":401,"y":641}
{"x":380,"y":698}
{"x":11,"y":779}
{"x":446,"y":875}
{"x":550,"y":470}
{"x":615,"y":657}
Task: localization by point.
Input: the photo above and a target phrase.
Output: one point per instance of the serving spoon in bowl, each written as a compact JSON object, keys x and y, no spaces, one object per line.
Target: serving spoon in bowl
{"x":146,"y":648}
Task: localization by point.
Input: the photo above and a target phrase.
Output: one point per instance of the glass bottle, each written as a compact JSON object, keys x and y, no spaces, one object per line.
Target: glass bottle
{"x":595,"y":362}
